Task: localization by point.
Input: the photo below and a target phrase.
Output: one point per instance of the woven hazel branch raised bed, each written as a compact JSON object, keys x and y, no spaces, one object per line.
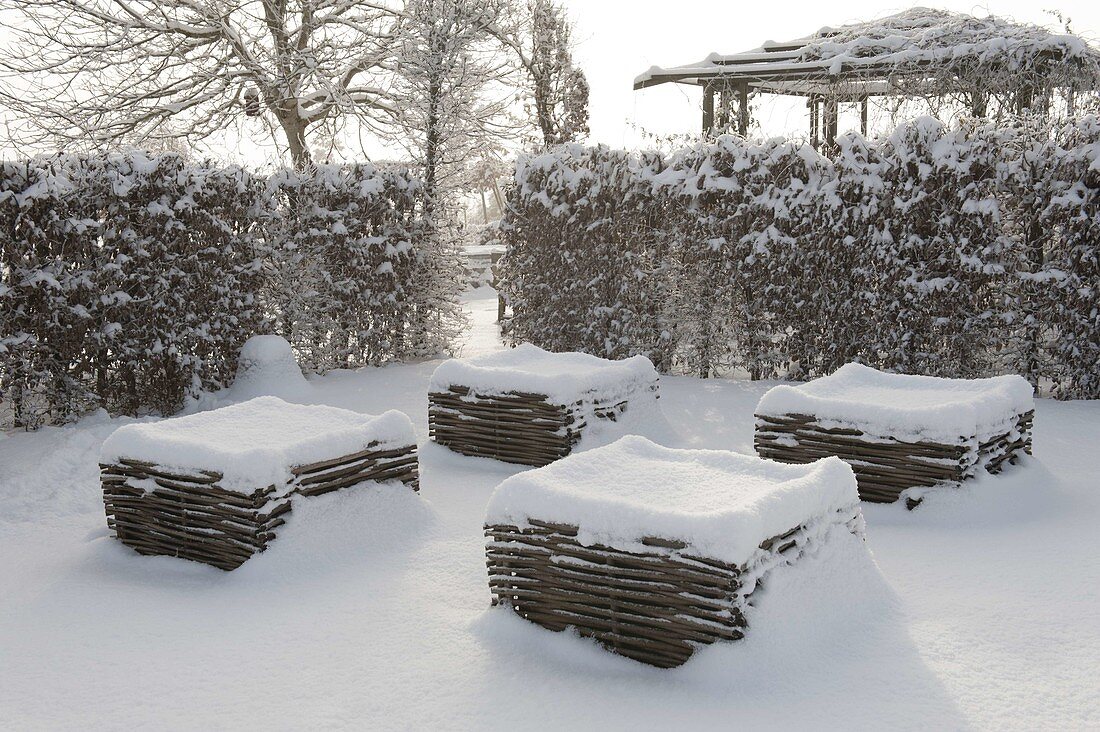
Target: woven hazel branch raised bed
{"x":887,"y":466}
{"x":163,"y":511}
{"x":515,"y":427}
{"x":654,"y":606}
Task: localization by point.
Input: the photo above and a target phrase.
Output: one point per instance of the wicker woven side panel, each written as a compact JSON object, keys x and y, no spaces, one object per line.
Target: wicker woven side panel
{"x":157,"y":511}
{"x":187,"y":516}
{"x":372,"y":464}
{"x":1006,"y":448}
{"x":655,"y":607}
{"x":886,"y":467}
{"x":514,"y":428}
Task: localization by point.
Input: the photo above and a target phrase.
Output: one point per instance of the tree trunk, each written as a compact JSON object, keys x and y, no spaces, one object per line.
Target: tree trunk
{"x":432,"y":144}
{"x":548,"y":137}
{"x":295,"y":130}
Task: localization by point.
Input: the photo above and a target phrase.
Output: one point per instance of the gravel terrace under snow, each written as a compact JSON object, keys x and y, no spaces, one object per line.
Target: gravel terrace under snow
{"x":979,"y":610}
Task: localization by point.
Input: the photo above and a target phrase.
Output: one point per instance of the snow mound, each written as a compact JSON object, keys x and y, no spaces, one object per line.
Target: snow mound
{"x":642,"y":416}
{"x":255,"y":443}
{"x":267,"y":367}
{"x":903,"y":405}
{"x":561,"y":377}
{"x":720,"y":504}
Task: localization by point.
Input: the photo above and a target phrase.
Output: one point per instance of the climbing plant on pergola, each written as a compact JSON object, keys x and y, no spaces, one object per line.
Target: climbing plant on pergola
{"x":982,"y":63}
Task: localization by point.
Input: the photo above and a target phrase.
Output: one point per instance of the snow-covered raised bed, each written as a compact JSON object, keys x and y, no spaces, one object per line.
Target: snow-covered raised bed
{"x":897,"y":431}
{"x":529,"y":406}
{"x":654,"y":551}
{"x":213,"y":486}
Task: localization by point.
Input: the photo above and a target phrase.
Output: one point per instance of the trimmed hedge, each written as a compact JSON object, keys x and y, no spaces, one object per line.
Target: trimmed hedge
{"x":130,"y":283}
{"x":959,"y":252}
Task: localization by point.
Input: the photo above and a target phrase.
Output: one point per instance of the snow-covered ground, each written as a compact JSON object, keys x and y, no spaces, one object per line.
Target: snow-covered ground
{"x":981,"y":609}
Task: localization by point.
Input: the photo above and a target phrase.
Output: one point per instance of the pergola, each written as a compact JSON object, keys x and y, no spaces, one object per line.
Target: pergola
{"x":918,"y":52}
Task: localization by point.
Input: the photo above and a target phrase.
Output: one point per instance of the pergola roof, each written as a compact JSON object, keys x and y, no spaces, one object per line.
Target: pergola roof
{"x":863,"y":59}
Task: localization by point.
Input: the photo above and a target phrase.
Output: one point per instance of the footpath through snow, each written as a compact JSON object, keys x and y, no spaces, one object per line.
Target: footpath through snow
{"x":979,"y":610}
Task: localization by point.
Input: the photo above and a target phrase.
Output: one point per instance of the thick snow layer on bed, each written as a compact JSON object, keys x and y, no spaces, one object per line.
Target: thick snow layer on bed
{"x":903,"y":405}
{"x":255,"y":443}
{"x":721,"y":504}
{"x":267,"y":367}
{"x":562,"y":377}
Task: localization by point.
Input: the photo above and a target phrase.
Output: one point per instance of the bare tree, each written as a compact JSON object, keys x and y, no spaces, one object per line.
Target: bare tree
{"x":95,"y":73}
{"x":540,"y":35}
{"x":455,"y":90}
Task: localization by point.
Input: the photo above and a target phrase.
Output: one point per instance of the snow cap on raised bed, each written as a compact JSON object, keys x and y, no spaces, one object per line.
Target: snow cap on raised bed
{"x":901,"y":405}
{"x":561,"y":377}
{"x":721,"y":504}
{"x":255,"y":443}
{"x":267,"y":367}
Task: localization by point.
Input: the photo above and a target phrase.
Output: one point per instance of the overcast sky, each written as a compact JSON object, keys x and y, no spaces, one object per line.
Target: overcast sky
{"x":619,"y":40}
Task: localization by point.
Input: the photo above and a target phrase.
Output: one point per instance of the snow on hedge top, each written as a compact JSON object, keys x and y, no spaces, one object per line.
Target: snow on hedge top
{"x":721,"y":504}
{"x":562,"y":377}
{"x":255,"y":443}
{"x":902,"y":405}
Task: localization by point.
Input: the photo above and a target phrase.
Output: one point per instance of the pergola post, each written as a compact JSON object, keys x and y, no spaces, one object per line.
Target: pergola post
{"x":722,"y":114}
{"x":743,"y":109}
{"x":708,"y":109}
{"x":979,"y":103}
{"x":815,"y":122}
{"x":832,"y":120}
{"x":1025,"y":96}
{"x":863,"y":104}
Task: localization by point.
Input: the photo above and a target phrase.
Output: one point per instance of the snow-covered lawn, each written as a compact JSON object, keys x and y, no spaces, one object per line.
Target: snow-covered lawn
{"x":371,"y":610}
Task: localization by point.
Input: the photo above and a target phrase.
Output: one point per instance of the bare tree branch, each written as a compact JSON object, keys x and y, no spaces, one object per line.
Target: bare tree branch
{"x":96,"y":73}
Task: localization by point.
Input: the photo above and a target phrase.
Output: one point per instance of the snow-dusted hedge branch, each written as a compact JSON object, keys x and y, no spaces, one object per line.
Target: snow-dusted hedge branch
{"x":129,"y":282}
{"x":961,"y":252}
{"x":349,"y":281}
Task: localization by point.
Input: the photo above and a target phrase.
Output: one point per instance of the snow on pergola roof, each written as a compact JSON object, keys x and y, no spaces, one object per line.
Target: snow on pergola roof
{"x":864,"y":59}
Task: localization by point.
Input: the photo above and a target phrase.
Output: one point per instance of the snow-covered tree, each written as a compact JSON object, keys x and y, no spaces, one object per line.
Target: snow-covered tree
{"x":454,"y":94}
{"x":484,"y":177}
{"x":97,"y":72}
{"x":540,"y":35}
{"x":454,"y":90}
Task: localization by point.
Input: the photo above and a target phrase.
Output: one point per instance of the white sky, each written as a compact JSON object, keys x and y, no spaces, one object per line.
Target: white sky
{"x":619,"y":39}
